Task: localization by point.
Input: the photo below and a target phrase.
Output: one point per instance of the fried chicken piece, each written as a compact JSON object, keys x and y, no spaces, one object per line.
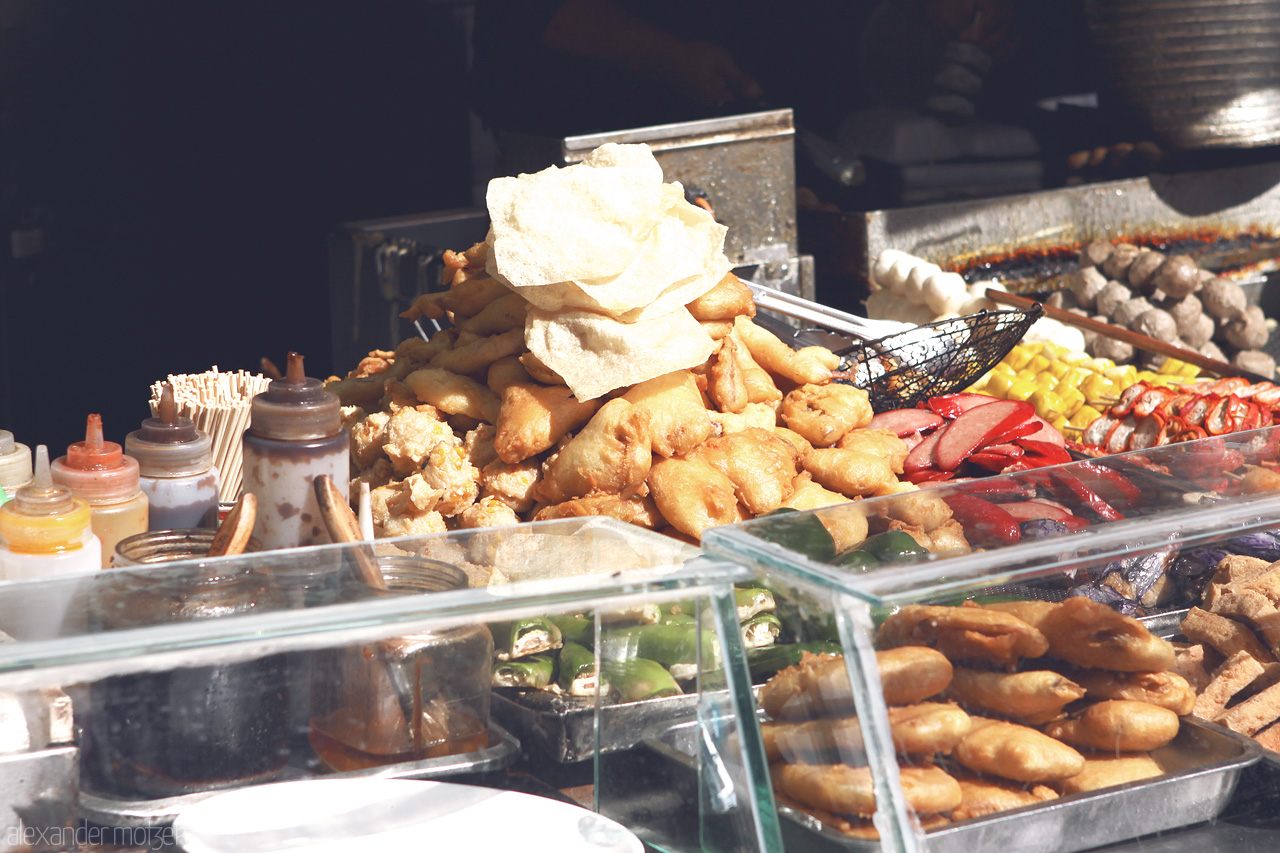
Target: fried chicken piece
{"x":612,"y":453}
{"x":824,"y":414}
{"x":454,"y":394}
{"x":1117,"y":725}
{"x":533,"y":418}
{"x":1090,"y":634}
{"x":1017,"y":752}
{"x":692,"y":495}
{"x":761,"y":466}
{"x":1105,"y":771}
{"x":963,"y":633}
{"x":726,"y":381}
{"x":1019,"y":694}
{"x":981,"y":796}
{"x":678,"y":420}
{"x":728,"y":299}
{"x":411,"y":435}
{"x":848,"y":471}
{"x":640,"y":511}
{"x":1166,"y":689}
{"x":848,"y":790}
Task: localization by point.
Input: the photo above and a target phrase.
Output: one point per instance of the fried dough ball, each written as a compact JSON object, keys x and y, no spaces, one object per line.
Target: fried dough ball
{"x":1090,"y":634}
{"x":411,"y":435}
{"x":1012,"y":751}
{"x":642,"y":512}
{"x":910,"y":674}
{"x":487,"y":512}
{"x":513,"y":483}
{"x":1166,"y":689}
{"x":533,"y":418}
{"x":692,"y":495}
{"x":761,"y":465}
{"x":1018,"y":694}
{"x":809,"y":365}
{"x":678,"y":421}
{"x":453,"y":394}
{"x":963,"y":633}
{"x":1118,"y":725}
{"x":823,"y":414}
{"x":878,"y":442}
{"x":981,"y":796}
{"x":849,"y":790}
{"x":612,"y":453}
{"x":1104,"y":771}
{"x":848,"y":471}
{"x":726,"y":381}
{"x":728,"y":299}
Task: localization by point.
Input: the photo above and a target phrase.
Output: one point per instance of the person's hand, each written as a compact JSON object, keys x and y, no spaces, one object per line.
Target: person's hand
{"x":706,"y":74}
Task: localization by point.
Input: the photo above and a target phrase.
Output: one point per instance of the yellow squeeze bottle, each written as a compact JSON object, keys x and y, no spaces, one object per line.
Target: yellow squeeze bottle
{"x":45,"y":530}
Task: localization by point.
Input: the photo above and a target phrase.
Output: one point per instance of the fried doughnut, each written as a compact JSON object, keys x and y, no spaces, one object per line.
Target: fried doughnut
{"x":1088,"y":633}
{"x":981,"y":796}
{"x":532,"y":418}
{"x":611,"y":454}
{"x":678,"y":421}
{"x":1103,"y":771}
{"x":825,"y":413}
{"x":963,"y":633}
{"x":1016,"y":752}
{"x":922,"y":729}
{"x":1019,"y":694}
{"x":1118,"y":725}
{"x":848,"y":790}
{"x":910,"y":674}
{"x":1166,"y":689}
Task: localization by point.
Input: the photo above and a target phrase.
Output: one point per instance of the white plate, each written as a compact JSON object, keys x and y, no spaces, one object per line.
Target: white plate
{"x":341,"y":815}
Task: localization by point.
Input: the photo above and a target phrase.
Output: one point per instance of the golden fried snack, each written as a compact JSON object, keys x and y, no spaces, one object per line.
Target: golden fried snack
{"x":1016,"y":752}
{"x":923,"y":729}
{"x":1238,"y":568}
{"x":761,"y":465}
{"x":1018,"y":694}
{"x":692,"y":495}
{"x":878,"y":442}
{"x":848,"y":790}
{"x":927,"y":727}
{"x":1030,"y":611}
{"x":1254,"y":713}
{"x":640,"y":511}
{"x":503,"y":314}
{"x":454,"y":394}
{"x":914,"y":505}
{"x":1226,"y":635}
{"x":760,"y":385}
{"x":803,"y":366}
{"x":486,"y":512}
{"x":1166,"y":689}
{"x":1117,"y":725}
{"x":678,"y":421}
{"x":465,"y":298}
{"x":728,"y":299}
{"x":848,"y":471}
{"x":1234,"y":674}
{"x":910,"y":674}
{"x":611,"y":454}
{"x":855,"y":827}
{"x":726,"y":381}
{"x":533,"y":418}
{"x":540,"y":371}
{"x":823,"y":414}
{"x":504,"y":373}
{"x":362,"y":391}
{"x":512,"y":483}
{"x":793,"y":438}
{"x":1088,"y":633}
{"x":947,"y":538}
{"x":1104,"y":771}
{"x":817,"y":686}
{"x":411,"y":435}
{"x":477,"y":355}
{"x":717,"y":330}
{"x":963,"y":633}
{"x":754,"y":416}
{"x":980,"y":796}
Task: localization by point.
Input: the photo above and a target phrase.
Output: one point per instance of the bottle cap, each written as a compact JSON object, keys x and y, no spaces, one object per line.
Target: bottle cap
{"x":295,"y":408}
{"x":97,"y":471}
{"x":169,"y":445}
{"x":15,"y":463}
{"x":43,"y":517}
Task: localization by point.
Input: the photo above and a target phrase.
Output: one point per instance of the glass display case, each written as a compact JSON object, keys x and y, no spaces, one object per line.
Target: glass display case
{"x":1060,"y":659}
{"x":198,"y":676}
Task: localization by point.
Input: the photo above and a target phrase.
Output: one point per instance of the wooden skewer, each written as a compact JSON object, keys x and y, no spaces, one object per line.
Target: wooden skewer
{"x":234,"y":532}
{"x":342,"y":525}
{"x":1132,"y":338}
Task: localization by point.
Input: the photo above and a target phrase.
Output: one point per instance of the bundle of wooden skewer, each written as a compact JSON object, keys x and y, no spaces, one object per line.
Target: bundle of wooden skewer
{"x":218,"y":403}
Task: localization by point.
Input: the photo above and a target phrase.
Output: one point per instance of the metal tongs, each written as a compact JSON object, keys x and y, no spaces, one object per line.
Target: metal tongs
{"x":804,"y":309}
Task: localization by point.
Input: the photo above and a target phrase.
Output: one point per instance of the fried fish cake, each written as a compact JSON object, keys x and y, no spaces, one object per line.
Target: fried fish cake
{"x":1090,"y":634}
{"x":848,"y":790}
{"x":1166,"y":689}
{"x":1012,"y":751}
{"x":1117,"y":725}
{"x":963,"y":633}
{"x":1104,"y":771}
{"x":1018,"y":694}
{"x":981,"y":795}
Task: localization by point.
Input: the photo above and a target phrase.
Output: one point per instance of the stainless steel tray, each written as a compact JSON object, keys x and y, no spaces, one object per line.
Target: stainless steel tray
{"x":502,"y":751}
{"x":1205,"y":761}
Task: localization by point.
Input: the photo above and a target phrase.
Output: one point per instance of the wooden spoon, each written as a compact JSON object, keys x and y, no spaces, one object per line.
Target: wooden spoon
{"x":236,"y":529}
{"x":342,"y":525}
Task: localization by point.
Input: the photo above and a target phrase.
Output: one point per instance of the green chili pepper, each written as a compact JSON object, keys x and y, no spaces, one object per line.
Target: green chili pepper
{"x":802,"y":532}
{"x":534,"y":671}
{"x":770,"y":659}
{"x":577,"y":627}
{"x":893,"y":546}
{"x":524,"y":637}
{"x":637,"y":679}
{"x":577,"y":675}
{"x":753,"y":600}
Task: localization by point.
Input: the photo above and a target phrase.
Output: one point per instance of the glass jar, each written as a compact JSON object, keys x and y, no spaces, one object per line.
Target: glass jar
{"x":407,"y":698}
{"x":168,"y":733}
{"x":161,"y":546}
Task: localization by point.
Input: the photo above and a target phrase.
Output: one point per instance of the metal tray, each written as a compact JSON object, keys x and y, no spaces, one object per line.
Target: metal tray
{"x":502,"y":751}
{"x":1208,"y":761}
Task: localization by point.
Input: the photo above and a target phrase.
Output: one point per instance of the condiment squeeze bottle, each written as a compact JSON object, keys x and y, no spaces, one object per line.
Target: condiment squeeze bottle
{"x":45,"y":530}
{"x":98,"y":472}
{"x":177,"y":474}
{"x":15,"y":465}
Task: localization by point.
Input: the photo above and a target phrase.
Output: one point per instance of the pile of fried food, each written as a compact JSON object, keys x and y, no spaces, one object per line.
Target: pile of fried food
{"x":990,"y":708}
{"x":469,"y":429}
{"x":1233,"y":642}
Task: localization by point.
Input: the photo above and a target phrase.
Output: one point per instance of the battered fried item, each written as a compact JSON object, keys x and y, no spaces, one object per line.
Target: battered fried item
{"x":503,"y":314}
{"x":454,"y":394}
{"x":533,"y":418}
{"x":1254,"y":713}
{"x":760,"y":385}
{"x":411,"y":435}
{"x":825,"y":413}
{"x":1117,"y":725}
{"x":678,"y":420}
{"x":878,"y":442}
{"x":478,"y":354}
{"x":1233,"y":675}
{"x":504,"y":373}
{"x":466,"y":297}
{"x":1021,"y":694}
{"x":980,"y":796}
{"x":726,"y":382}
{"x":1166,"y":689}
{"x":640,"y":511}
{"x":511,"y":483}
{"x":1031,"y":611}
{"x":927,"y":727}
{"x":922,"y":729}
{"x":818,"y":686}
{"x":1016,"y":752}
{"x":761,"y":466}
{"x":754,"y":416}
{"x":717,"y":330}
{"x":611,"y":454}
{"x":793,"y":438}
{"x":915,"y":505}
{"x":1104,"y":771}
{"x":848,"y":790}
{"x":692,"y":495}
{"x":948,"y":538}
{"x":963,"y":633}
{"x":1088,"y":633}
{"x":910,"y":674}
{"x":540,"y":371}
{"x":486,"y":512}
{"x":728,"y":299}
{"x":848,"y":471}
{"x":803,"y":366}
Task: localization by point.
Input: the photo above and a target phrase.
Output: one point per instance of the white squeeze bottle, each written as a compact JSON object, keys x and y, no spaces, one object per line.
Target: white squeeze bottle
{"x":175,"y":466}
{"x":15,"y":465}
{"x":45,"y":530}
